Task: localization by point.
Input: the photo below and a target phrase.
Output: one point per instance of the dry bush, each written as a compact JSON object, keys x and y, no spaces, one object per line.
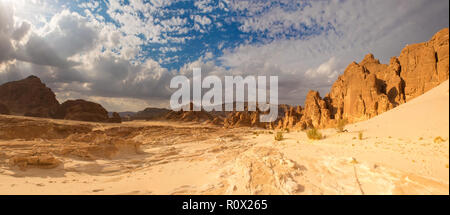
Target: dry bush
{"x":279,"y":136}
{"x":340,"y":125}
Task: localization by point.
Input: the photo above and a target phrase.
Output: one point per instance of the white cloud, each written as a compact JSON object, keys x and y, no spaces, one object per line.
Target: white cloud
{"x":204,"y":6}
{"x":202,"y":20}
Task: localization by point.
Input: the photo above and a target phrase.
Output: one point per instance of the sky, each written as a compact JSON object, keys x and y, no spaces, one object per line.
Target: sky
{"x":123,"y":53}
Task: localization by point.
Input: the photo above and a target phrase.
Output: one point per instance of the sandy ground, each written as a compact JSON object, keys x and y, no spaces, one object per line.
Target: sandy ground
{"x":400,"y":152}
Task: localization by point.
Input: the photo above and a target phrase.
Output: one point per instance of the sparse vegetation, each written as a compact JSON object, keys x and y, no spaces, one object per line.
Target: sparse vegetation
{"x":438,"y":139}
{"x":340,"y":125}
{"x":314,"y":134}
{"x":279,"y":136}
{"x":360,"y":135}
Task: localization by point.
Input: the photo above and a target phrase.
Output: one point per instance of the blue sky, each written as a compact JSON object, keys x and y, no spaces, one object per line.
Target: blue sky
{"x":210,"y":27}
{"x":123,"y":54}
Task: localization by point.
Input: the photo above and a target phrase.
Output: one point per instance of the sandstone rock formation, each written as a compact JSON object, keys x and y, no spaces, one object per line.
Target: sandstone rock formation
{"x":316,"y":111}
{"x":150,"y":114}
{"x":243,"y":119}
{"x":190,"y":116}
{"x":358,"y":94}
{"x":42,"y":161}
{"x":35,"y":143}
{"x":4,"y":109}
{"x":28,"y":97}
{"x":115,"y":118}
{"x":82,"y":110}
{"x":366,"y":89}
{"x":425,"y":65}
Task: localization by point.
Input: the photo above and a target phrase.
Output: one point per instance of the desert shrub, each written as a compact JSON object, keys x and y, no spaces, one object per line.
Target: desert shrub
{"x":360,"y":135}
{"x":279,"y":136}
{"x":314,"y":134}
{"x":340,"y":125}
{"x":287,"y":130}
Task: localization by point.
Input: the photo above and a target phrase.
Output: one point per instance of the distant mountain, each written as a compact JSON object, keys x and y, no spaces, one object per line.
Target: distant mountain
{"x":28,"y":97}
{"x":31,"y":97}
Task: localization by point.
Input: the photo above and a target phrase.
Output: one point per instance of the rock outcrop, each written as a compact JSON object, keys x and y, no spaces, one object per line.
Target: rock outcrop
{"x":201,"y":116}
{"x":82,"y":110}
{"x":425,"y":65}
{"x":243,"y":119}
{"x":28,"y":97}
{"x":115,"y":118}
{"x":358,"y":94}
{"x":4,"y":109}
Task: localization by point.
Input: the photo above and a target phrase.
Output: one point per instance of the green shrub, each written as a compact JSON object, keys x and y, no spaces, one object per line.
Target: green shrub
{"x":279,"y":136}
{"x":314,"y":134}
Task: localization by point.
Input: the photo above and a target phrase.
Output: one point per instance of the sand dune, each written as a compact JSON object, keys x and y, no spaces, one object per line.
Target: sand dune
{"x":424,"y":116}
{"x":399,"y":153}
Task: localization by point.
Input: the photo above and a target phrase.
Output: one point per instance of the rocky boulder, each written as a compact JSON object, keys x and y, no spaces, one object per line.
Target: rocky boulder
{"x":28,"y":97}
{"x":82,"y":110}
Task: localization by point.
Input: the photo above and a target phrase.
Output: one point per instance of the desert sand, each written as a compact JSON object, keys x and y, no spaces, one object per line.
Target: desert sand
{"x":402,"y":151}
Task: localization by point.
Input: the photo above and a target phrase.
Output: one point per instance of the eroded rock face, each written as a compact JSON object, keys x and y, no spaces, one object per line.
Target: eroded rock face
{"x":425,"y":65}
{"x":28,"y":97}
{"x":243,"y":119}
{"x":358,"y":94}
{"x":4,"y":109}
{"x":82,"y":110}
{"x":316,"y":112}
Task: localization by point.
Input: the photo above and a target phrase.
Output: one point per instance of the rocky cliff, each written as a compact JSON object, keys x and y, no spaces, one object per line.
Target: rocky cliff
{"x":366,"y":89}
{"x":28,"y":97}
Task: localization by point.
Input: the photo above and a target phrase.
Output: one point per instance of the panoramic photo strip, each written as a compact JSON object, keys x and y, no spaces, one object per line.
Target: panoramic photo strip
{"x":219,"y":98}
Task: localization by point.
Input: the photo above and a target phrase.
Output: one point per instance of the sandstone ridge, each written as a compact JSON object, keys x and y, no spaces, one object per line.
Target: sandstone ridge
{"x":366,"y":89}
